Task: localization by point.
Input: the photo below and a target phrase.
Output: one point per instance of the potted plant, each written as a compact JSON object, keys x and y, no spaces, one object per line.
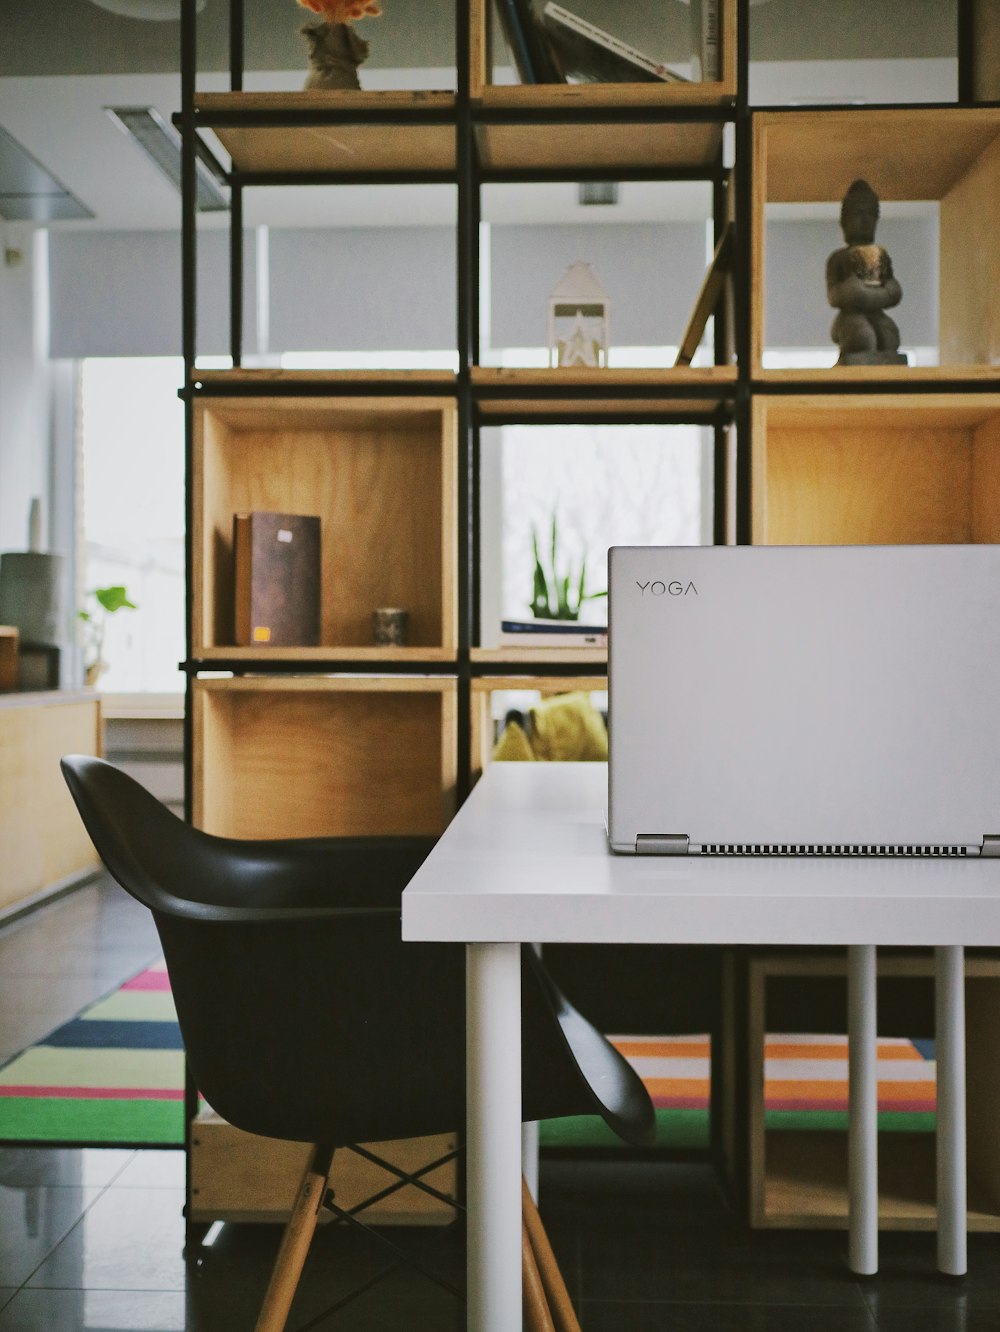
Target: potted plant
{"x":558,"y":595}
{"x":102,"y":602}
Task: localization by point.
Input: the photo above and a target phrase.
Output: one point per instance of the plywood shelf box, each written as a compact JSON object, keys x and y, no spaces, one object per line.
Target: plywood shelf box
{"x":354,"y":143}
{"x":881,"y":469}
{"x":483,"y":689}
{"x":798,"y":1178}
{"x":381,"y":474}
{"x":568,"y":131}
{"x":569,"y":390}
{"x":918,"y":153}
{"x":240,"y":1177}
{"x":326,"y":756}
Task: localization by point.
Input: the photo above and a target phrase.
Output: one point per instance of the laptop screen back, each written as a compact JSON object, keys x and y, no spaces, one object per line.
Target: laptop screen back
{"x":804,"y":699}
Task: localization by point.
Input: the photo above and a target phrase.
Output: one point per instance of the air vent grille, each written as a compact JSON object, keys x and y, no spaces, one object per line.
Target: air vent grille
{"x":825,"y":849}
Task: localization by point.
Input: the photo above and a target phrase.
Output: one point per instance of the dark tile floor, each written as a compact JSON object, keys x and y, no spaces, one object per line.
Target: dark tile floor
{"x":93,"y":1239}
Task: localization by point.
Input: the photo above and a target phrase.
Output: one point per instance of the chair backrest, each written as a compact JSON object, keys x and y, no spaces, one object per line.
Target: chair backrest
{"x":304,"y":1015}
{"x":296,"y":1018}
{"x":141,"y":842}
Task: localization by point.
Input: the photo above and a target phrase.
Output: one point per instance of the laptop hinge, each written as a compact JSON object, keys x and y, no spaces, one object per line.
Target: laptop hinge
{"x":991,"y":845}
{"x":662,"y":844}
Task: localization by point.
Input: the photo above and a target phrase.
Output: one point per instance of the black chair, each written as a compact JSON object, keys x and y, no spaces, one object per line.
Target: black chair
{"x":305,"y":1016}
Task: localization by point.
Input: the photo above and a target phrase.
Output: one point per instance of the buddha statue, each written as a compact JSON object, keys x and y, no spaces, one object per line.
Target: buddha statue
{"x":861,"y":286}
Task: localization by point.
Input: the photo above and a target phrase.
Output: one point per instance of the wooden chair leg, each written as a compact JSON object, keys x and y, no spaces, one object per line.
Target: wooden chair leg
{"x":295,"y":1243}
{"x":557,"y":1296}
{"x":537,"y":1317}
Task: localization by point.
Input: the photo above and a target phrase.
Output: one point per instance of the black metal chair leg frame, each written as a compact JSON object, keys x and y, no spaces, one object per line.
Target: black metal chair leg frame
{"x":349,"y":1216}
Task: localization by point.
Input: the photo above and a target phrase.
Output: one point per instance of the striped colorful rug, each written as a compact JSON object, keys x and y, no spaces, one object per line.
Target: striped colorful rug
{"x":675,"y":1070}
{"x":805,"y":1083}
{"x":115,"y":1074}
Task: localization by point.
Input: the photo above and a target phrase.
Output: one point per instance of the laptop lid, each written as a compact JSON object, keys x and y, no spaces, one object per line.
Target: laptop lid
{"x":804,"y":700}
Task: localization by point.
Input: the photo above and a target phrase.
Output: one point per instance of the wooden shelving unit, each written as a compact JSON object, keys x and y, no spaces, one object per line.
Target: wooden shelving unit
{"x":798,"y":1178}
{"x":346,"y":737}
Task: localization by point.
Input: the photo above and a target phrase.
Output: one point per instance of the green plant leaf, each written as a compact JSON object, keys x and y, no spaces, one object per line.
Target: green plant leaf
{"x":114,"y":598}
{"x":581,"y":594}
{"x":540,"y":589}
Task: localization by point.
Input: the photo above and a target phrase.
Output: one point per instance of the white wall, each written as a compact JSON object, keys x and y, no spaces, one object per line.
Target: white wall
{"x":24,"y":384}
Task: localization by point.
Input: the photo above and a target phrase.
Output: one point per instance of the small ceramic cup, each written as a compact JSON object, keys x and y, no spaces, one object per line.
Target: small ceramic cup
{"x":390,"y":625}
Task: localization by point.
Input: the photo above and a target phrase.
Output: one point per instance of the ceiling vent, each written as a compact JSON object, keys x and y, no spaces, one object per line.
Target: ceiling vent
{"x":162,"y":144}
{"x":29,"y":192}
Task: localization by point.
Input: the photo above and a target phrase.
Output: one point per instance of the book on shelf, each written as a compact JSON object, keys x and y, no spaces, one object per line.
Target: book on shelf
{"x":277,"y":583}
{"x":707,"y":63}
{"x":533,"y":56}
{"x":588,"y":53}
{"x":551,"y":633}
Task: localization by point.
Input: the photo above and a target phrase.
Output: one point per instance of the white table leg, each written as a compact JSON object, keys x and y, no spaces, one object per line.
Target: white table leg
{"x":529,"y":1141}
{"x":529,"y":1157}
{"x":493,"y":1069}
{"x":951,"y":1169}
{"x":863,"y":1111}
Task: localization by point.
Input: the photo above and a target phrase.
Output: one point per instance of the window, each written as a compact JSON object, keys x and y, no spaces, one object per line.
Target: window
{"x":606,"y":486}
{"x":132,"y":447}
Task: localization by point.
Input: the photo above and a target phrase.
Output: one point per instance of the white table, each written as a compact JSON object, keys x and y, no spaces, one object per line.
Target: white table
{"x":526,"y":860}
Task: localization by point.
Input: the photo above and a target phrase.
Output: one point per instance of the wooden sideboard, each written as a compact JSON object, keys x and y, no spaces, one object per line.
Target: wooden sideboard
{"x":44,"y":843}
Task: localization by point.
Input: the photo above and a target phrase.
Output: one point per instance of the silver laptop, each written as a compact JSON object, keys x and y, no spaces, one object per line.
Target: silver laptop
{"x":804,"y":700}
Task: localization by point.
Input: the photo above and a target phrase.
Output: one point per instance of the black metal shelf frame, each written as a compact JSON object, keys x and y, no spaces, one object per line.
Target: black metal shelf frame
{"x":468,"y":176}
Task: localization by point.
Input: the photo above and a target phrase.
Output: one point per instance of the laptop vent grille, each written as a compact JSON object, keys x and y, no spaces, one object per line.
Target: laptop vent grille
{"x":824,"y":849}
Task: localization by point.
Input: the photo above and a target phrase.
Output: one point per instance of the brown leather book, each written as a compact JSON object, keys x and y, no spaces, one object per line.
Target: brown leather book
{"x":277,"y":559}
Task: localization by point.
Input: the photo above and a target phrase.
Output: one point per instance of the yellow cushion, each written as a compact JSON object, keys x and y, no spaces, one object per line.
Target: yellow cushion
{"x":568,"y":728}
{"x":513,"y":745}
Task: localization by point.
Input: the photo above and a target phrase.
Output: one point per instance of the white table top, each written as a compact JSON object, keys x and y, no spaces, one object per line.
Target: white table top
{"x":526,"y":858}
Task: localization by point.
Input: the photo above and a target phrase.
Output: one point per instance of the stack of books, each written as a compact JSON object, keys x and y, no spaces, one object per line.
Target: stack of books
{"x":552,"y":633}
{"x":560,"y":47}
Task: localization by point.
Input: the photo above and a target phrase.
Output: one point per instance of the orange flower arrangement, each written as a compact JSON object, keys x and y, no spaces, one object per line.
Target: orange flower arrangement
{"x":343,"y":11}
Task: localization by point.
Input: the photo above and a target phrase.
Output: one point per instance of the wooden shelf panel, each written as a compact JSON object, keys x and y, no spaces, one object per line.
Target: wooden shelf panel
{"x":349,"y":145}
{"x":805,"y":1183}
{"x":345,"y":382}
{"x":545,"y":684}
{"x":902,"y":375}
{"x":510,"y":656}
{"x":581,"y":392}
{"x":380,"y":472}
{"x":374,"y":655}
{"x":324,"y":757}
{"x":904,"y":154}
{"x":243,"y":1177}
{"x":878,"y":469}
{"x":798,"y":1178}
{"x":633,"y":145}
